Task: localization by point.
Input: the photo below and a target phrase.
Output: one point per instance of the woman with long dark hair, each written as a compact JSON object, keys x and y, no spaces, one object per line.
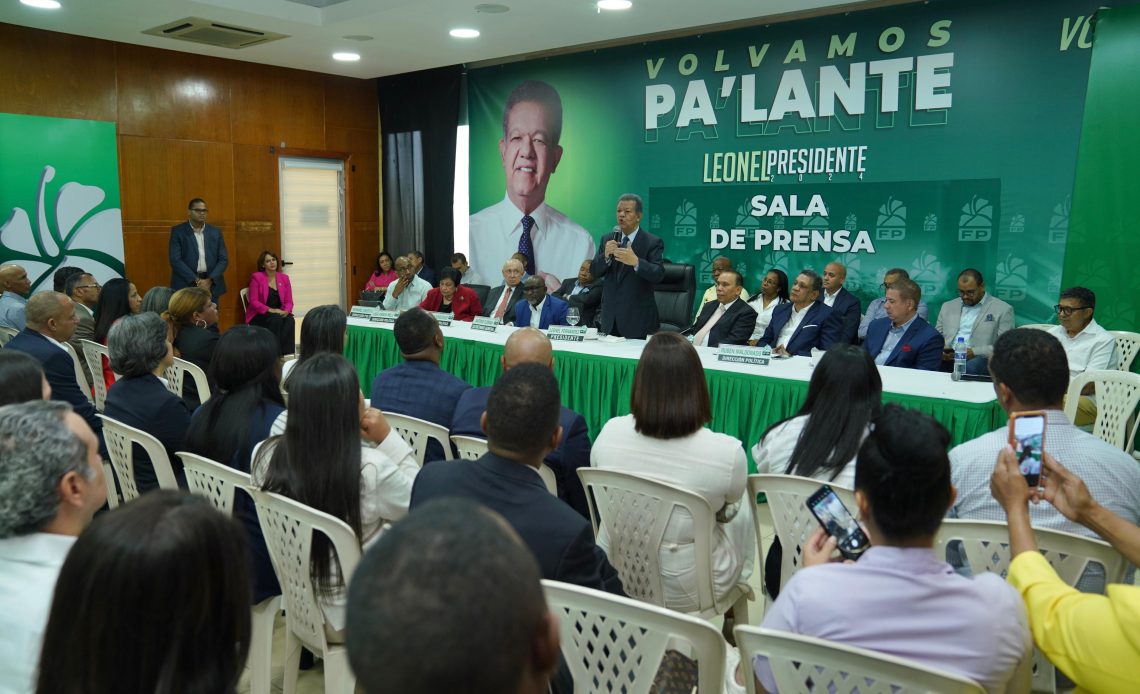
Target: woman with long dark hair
{"x":190,"y":314}
{"x":383,"y":275}
{"x":322,"y":330}
{"x":338,"y":457}
{"x":21,"y":378}
{"x":773,"y":292}
{"x":118,"y":298}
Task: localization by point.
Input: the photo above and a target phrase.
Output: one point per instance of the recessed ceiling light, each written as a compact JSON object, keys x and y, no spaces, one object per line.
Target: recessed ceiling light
{"x":614,"y":4}
{"x":346,"y":57}
{"x":464,"y":33}
{"x":358,"y":37}
{"x":42,"y":4}
{"x":491,"y":8}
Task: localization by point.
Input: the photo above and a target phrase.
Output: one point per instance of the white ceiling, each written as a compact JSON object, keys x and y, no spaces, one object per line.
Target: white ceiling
{"x":407,"y":35}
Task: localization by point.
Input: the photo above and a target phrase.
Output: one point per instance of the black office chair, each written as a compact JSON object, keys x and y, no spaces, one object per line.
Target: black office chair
{"x":481,"y":290}
{"x":674,"y":294}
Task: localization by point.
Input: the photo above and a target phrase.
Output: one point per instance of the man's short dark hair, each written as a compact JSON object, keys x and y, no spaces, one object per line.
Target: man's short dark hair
{"x":1033,"y":365}
{"x":458,"y":258}
{"x":816,"y":280}
{"x":902,"y":274}
{"x":908,"y":289}
{"x":62,"y":275}
{"x":416,"y":254}
{"x":1085,"y":296}
{"x":972,"y":274}
{"x":540,"y":93}
{"x":638,"y":207}
{"x":904,"y":470}
{"x":194,"y":202}
{"x":447,"y":600}
{"x":415,"y":331}
{"x":73,"y":281}
{"x":523,"y":410}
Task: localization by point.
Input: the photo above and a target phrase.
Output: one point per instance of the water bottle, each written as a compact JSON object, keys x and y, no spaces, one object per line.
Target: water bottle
{"x":960,"y":348}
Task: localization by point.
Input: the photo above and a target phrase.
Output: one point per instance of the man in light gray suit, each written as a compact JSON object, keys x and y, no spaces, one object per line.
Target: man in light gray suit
{"x":976,"y":315}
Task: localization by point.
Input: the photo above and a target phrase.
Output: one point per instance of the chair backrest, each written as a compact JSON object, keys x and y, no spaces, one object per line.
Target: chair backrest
{"x":615,"y":644}
{"x":211,"y":479}
{"x":804,"y":664}
{"x":481,"y":291}
{"x":1117,"y":395}
{"x":244,"y":294}
{"x":176,"y":374}
{"x":674,"y":295}
{"x":93,"y":353}
{"x":787,"y":498}
{"x":120,"y":440}
{"x":1038,"y":326}
{"x":416,"y":433}
{"x":1127,"y":344}
{"x":80,"y":377}
{"x":288,"y":527}
{"x":634,"y":512}
{"x":470,"y":447}
{"x":6,"y":334}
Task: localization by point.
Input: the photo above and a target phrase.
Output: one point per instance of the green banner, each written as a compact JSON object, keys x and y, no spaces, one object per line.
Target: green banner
{"x":59,"y":197}
{"x":934,"y":136}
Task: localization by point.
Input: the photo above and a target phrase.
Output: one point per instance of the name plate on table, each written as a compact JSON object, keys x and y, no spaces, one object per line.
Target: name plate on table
{"x":444,"y":319}
{"x":487,"y":325}
{"x":742,"y":355}
{"x":385,"y":316}
{"x":364,"y":312}
{"x":567,"y":333}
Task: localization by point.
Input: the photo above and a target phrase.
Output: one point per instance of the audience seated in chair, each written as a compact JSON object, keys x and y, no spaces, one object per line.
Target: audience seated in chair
{"x":452,"y":297}
{"x":324,"y":329}
{"x":156,"y":300}
{"x":903,"y":338}
{"x":844,"y":305}
{"x":804,"y":322}
{"x":899,"y":598}
{"x":21,"y":378}
{"x":727,"y":319}
{"x":51,"y":484}
{"x":151,"y":598}
{"x":117,"y":298}
{"x":582,"y":293}
{"x":773,"y":292}
{"x":190,"y":314}
{"x":539,"y":310}
{"x":1088,"y":346}
{"x":495,"y":634}
{"x":14,"y":289}
{"x":875,"y":308}
{"x":977,"y":316}
{"x":84,"y":290}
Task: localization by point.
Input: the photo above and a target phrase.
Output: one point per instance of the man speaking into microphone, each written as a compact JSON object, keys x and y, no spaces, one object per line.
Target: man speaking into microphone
{"x":630,"y":259}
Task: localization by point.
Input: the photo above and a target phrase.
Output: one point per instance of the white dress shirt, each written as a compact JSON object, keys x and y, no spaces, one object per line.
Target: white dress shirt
{"x":829,"y":299}
{"x":794,"y":321}
{"x":200,"y":237}
{"x":773,"y":452}
{"x":966,"y":322}
{"x":560,"y":245}
{"x":1093,"y":348}
{"x":763,"y":314}
{"x":536,"y":314}
{"x":412,"y":296}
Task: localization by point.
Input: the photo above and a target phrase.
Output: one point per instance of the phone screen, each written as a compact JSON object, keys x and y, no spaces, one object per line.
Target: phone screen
{"x":838,"y":522}
{"x":1027,"y":436}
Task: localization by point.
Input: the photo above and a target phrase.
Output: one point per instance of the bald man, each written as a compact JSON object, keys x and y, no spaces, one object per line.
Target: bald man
{"x":845,"y":306}
{"x":15,"y":285}
{"x":530,"y":346}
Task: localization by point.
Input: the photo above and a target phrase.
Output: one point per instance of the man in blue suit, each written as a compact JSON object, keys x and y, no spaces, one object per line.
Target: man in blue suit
{"x":539,"y":310}
{"x":802,"y":323}
{"x":903,"y":338}
{"x":843,"y":303}
{"x":529,"y":346}
{"x":631,"y":260}
{"x":198,"y":253}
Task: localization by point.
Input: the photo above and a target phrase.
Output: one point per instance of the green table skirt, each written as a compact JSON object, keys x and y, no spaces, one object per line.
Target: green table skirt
{"x":598,"y":387}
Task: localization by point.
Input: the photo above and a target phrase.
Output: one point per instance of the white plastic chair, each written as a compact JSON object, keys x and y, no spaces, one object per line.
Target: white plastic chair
{"x":93,"y":352}
{"x":1127,"y":345}
{"x":120,"y":440}
{"x":6,"y":334}
{"x":244,"y":294}
{"x":1038,"y":326}
{"x":470,"y":447}
{"x":80,"y":377}
{"x":416,"y":433}
{"x":615,"y":644}
{"x":1117,"y":395}
{"x":804,"y":664}
{"x":986,"y":546}
{"x":219,"y":483}
{"x":793,"y":521}
{"x":175,"y":376}
{"x":288,"y":527}
{"x":635,"y":512}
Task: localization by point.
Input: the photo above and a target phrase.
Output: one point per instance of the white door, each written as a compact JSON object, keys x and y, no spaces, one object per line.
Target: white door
{"x":312,"y":231}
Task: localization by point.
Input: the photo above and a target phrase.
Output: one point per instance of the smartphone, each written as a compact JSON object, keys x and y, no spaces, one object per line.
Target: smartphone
{"x":1027,"y":436}
{"x":838,"y":522}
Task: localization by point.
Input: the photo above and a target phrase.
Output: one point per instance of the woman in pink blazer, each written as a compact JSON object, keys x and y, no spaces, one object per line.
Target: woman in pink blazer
{"x":271,"y":301}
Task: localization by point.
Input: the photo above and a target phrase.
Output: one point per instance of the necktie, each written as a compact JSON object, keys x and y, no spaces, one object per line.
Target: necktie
{"x":703,"y":333}
{"x":526,"y":245}
{"x":501,"y":310}
{"x":622,"y":267}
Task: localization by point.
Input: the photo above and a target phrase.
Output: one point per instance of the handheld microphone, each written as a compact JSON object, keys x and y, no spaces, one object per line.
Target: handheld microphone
{"x":617,"y":237}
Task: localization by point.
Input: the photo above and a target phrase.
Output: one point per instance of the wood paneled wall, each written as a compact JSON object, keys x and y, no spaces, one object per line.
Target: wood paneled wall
{"x":195,"y":126}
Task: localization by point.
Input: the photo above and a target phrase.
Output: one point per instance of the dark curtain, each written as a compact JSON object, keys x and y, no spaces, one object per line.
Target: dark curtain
{"x":421,"y":171}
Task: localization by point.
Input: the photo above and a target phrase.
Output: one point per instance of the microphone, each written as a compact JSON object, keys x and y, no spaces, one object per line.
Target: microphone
{"x":617,"y":237}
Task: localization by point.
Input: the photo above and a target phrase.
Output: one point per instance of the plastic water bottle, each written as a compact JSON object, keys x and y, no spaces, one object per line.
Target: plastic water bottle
{"x":960,"y":348}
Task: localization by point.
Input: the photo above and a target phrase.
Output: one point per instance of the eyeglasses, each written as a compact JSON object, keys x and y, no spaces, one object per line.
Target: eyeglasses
{"x":1068,"y":310}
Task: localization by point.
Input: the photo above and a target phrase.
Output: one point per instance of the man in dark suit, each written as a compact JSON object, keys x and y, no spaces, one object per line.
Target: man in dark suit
{"x":550,"y":310}
{"x":498,"y":306}
{"x":84,"y":291}
{"x":844,"y":305}
{"x":424,"y":272}
{"x":51,"y":322}
{"x":529,"y":346}
{"x":521,"y":421}
{"x":802,"y":323}
{"x":198,"y":253}
{"x":631,"y":261}
{"x":417,"y":387}
{"x":582,"y":293}
{"x":726,"y":321}
{"x":903,"y":338}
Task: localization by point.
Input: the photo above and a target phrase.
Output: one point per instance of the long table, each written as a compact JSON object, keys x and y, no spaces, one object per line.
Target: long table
{"x":596,"y":378}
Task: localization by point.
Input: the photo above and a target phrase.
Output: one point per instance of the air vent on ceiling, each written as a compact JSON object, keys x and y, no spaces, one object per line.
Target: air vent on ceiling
{"x":319,"y":4}
{"x":213,"y":33}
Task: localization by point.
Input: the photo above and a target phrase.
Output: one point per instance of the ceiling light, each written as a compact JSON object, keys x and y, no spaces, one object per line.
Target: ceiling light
{"x":346,"y":57}
{"x":492,"y":8}
{"x":464,"y":33}
{"x":614,"y":4}
{"x":42,"y":4}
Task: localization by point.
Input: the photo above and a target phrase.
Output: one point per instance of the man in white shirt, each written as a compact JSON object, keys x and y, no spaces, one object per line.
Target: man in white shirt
{"x":51,"y":484}
{"x":522,"y":221}
{"x":975,"y":315}
{"x":409,"y":289}
{"x":1088,"y":346}
{"x":198,"y":256}
{"x":15,"y":285}
{"x":845,"y":306}
{"x":540,"y":310}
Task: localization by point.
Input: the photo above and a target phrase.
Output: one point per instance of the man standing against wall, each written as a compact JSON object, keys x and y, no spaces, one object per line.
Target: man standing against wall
{"x":198,"y":255}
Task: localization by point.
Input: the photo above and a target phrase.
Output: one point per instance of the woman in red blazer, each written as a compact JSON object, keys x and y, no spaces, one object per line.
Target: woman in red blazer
{"x":451,"y":297}
{"x":271,"y":301}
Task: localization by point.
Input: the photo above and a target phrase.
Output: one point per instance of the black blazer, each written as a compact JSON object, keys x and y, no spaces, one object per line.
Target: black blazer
{"x":562,"y":541}
{"x":846,"y":309}
{"x":59,"y":370}
{"x":587,"y":301}
{"x":428,"y":275}
{"x":144,"y":403}
{"x":496,"y":296}
{"x":733,"y":328}
{"x":195,"y":345}
{"x":629,"y":307}
{"x":184,"y":257}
